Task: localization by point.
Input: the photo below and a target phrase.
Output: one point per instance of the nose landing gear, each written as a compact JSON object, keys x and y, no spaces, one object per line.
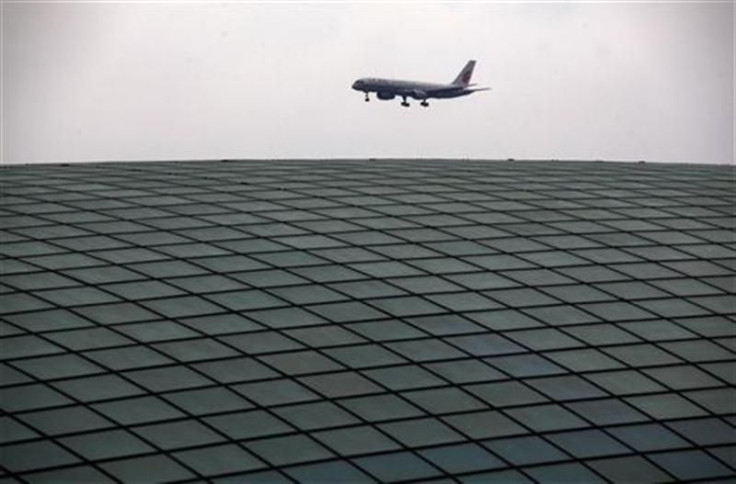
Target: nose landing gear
{"x":366,"y":97}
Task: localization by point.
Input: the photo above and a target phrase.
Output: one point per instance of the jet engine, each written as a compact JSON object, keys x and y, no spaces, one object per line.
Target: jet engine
{"x":385,"y":96}
{"x":417,"y":94}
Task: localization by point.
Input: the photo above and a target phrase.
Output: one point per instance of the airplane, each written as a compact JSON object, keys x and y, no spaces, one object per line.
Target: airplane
{"x":387,"y":89}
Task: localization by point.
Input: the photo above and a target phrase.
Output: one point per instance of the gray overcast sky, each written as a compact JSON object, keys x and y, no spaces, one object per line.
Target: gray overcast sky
{"x":165,"y":81}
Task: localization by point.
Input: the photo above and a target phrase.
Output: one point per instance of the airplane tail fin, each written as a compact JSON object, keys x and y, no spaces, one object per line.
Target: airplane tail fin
{"x":463,"y":79}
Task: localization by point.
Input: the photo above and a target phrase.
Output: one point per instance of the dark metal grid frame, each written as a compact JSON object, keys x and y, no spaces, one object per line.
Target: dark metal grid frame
{"x":538,"y":227}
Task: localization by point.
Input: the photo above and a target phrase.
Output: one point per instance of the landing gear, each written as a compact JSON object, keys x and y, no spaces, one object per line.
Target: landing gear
{"x":404,"y":102}
{"x":424,"y":103}
{"x":366,"y":97}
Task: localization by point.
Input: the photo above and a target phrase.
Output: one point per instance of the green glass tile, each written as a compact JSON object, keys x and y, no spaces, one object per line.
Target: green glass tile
{"x":318,"y":415}
{"x":176,"y":435}
{"x":364,"y":356}
{"x":421,"y":432}
{"x":607,"y":412}
{"x":425,"y":285}
{"x":666,"y":406}
{"x":485,"y":345}
{"x":505,"y":394}
{"x":425,"y":350}
{"x":234,"y":301}
{"x":462,"y":458}
{"x":520,"y":298}
{"x":444,"y":400}
{"x":397,"y":466}
{"x":543,"y":418}
{"x":261,"y":342}
{"x":718,"y":401}
{"x":641,"y":355}
{"x":179,"y":307}
{"x":724,"y":371}
{"x":288,"y":450}
{"x":588,"y":443}
{"x":61,"y":366}
{"x":236,"y":370}
{"x":347,"y":312}
{"x":158,"y":467}
{"x":565,"y":388}
{"x":386,"y":269}
{"x":168,"y":378}
{"x":444,"y":325}
{"x":504,"y":320}
{"x":65,"y":420}
{"x":96,"y":388}
{"x":583,"y":360}
{"x":275,"y":392}
{"x":141,"y":290}
{"x":484,"y":424}
{"x":208,"y":401}
{"x":682,"y":377}
{"x":465,"y":371}
{"x":220,"y":459}
{"x":625,"y":382}
{"x":287,"y":259}
{"x":403,"y":377}
{"x":577,"y":294}
{"x":38,"y":281}
{"x":268,"y":278}
{"x":103,"y":275}
{"x":205,"y":284}
{"x":301,"y":362}
{"x":391,"y":330}
{"x":444,"y":266}
{"x":571,"y":472}
{"x":195,"y":350}
{"x":617,"y":311}
{"x":30,"y":397}
{"x":247,"y":425}
{"x":629,"y":469}
{"x":367,"y":289}
{"x":308,"y":294}
{"x":285,"y":318}
{"x":88,"y":339}
{"x":698,"y":351}
{"x":18,"y":302}
{"x":156,"y":331}
{"x":523,"y":451}
{"x":335,"y":385}
{"x":10,"y":376}
{"x":136,"y":410}
{"x":355,"y":441}
{"x":106,"y":445}
{"x":691,"y":465}
{"x":221,"y":324}
{"x":116,"y":313}
{"x":657,"y":330}
{"x":35,"y":455}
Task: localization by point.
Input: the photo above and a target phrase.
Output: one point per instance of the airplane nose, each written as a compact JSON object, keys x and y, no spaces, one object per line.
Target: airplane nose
{"x":357,"y":85}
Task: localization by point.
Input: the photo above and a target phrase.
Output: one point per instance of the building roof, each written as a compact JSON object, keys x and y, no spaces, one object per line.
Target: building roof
{"x":308,"y":321}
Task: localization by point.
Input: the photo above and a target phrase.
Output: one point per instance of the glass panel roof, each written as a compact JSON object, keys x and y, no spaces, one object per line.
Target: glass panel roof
{"x":379,"y":321}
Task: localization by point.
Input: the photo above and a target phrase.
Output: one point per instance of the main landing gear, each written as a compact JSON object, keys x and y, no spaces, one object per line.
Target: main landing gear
{"x":406,"y":104}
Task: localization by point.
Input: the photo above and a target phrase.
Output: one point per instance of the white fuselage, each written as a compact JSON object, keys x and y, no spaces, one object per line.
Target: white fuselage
{"x":386,"y":89}
{"x":390,"y":88}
